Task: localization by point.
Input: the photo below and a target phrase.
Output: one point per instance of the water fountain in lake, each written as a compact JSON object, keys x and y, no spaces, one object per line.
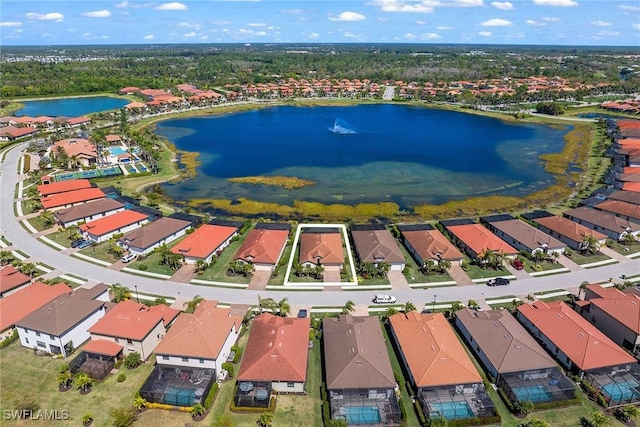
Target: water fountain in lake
{"x":341,"y":127}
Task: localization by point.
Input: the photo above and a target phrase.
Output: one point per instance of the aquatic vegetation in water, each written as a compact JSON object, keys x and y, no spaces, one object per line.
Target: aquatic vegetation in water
{"x":287,"y":182}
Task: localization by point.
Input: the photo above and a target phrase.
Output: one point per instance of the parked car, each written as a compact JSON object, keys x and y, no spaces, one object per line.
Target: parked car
{"x":518,"y":265}
{"x":384,"y":299}
{"x":302,"y":313}
{"x":128,"y":257}
{"x":76,"y":243}
{"x":85,"y":244}
{"x":499,"y":281}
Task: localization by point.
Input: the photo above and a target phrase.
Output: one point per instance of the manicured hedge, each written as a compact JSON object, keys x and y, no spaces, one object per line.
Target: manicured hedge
{"x":9,"y":340}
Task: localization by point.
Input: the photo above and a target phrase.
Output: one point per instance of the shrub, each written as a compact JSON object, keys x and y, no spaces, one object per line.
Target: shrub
{"x":132,"y":360}
{"x":139,"y":402}
{"x":123,"y":417}
{"x":5,"y":342}
{"x":87,"y":418}
{"x":121,"y":377}
{"x":208,"y":401}
{"x":197,"y":410}
{"x":26,"y":402}
{"x":227,"y":366}
{"x":143,"y":267}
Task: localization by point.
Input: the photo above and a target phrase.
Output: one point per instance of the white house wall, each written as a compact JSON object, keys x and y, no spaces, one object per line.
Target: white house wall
{"x":92,"y":217}
{"x":107,"y":236}
{"x":144,"y":251}
{"x":145,"y":347}
{"x":284,"y":387}
{"x":190,"y":362}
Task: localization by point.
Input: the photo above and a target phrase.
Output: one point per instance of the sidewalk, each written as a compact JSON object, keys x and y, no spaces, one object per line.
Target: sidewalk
{"x":613,"y":254}
{"x":460,"y":276}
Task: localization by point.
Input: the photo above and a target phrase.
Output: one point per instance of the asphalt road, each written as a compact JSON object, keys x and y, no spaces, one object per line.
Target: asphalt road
{"x":27,"y":243}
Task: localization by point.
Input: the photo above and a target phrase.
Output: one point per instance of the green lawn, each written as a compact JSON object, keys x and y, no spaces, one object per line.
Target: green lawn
{"x":279,"y":278}
{"x":61,"y":237}
{"x":581,"y":259}
{"x":625,"y":249}
{"x":529,"y":266}
{"x":475,"y":272}
{"x":413,"y":274}
{"x":23,"y":373}
{"x":101,"y":252}
{"x":38,"y":223}
{"x":218,"y":271}
{"x":30,"y":206}
{"x":152,"y":261}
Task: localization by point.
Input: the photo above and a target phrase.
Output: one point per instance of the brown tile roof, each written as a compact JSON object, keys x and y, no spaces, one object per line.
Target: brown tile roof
{"x":63,"y":186}
{"x":75,"y":147}
{"x":432,"y":350}
{"x":87,"y":210}
{"x":377,"y":246}
{"x":504,"y":341}
{"x":199,"y":335}
{"x":527,"y":235}
{"x":623,"y":307}
{"x":277,"y":349}
{"x":104,"y":347}
{"x":132,"y":320}
{"x":91,"y":293}
{"x":432,"y":244}
{"x":112,"y":223}
{"x":204,"y":241}
{"x":602,"y":219}
{"x":479,"y":239}
{"x":355,"y":354}
{"x":72,"y":197}
{"x":620,"y":208}
{"x":571,"y":230}
{"x":262,"y":246}
{"x":151,"y":234}
{"x":583,"y":343}
{"x":325,"y":246}
{"x":10,"y":278}
{"x":17,"y":305}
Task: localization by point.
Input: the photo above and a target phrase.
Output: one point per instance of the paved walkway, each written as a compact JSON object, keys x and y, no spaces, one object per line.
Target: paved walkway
{"x":519,"y":274}
{"x":331,"y":275}
{"x":397,"y":280}
{"x":389,"y":91}
{"x":613,"y":254}
{"x":570,"y":264}
{"x":460,"y":276}
{"x":259,"y":280}
{"x":185,"y":274}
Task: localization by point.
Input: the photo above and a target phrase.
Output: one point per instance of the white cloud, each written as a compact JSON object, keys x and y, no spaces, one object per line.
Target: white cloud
{"x":260,"y":33}
{"x":629,"y":8}
{"x":10,"y":24}
{"x":608,"y":33}
{"x":188,"y":25}
{"x":349,"y":35}
{"x":403,"y":6}
{"x":444,"y":28}
{"x":292,"y":12}
{"x":98,"y":14}
{"x":221,"y":22}
{"x":532,"y":22}
{"x":410,"y":36}
{"x":485,"y":33}
{"x":601,"y":23}
{"x":122,"y":4}
{"x":256,"y":24}
{"x":502,"y":5}
{"x":311,"y":35}
{"x":421,"y":22}
{"x":347,"y":17}
{"x":636,"y":26}
{"x":550,"y":19}
{"x":172,"y":6}
{"x":204,"y":37}
{"x":430,"y":36}
{"x":189,"y":35}
{"x":52,"y":16}
{"x":496,"y":22}
{"x":558,"y":3}
{"x":149,"y":37}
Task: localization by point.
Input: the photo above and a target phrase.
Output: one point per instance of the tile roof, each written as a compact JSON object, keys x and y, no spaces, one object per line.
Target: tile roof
{"x":10,"y":278}
{"x":479,"y":239}
{"x":204,"y":241}
{"x":432,"y":350}
{"x":377,"y":246}
{"x":625,"y":196}
{"x":605,"y":220}
{"x":104,"y":347}
{"x":325,"y":246}
{"x":262,"y":246}
{"x":108,"y":224}
{"x":63,"y":186}
{"x":133,"y":320}
{"x":504,"y":341}
{"x":623,"y":307}
{"x":277,"y":349}
{"x":17,"y":305}
{"x":432,"y":244}
{"x":87,"y":210}
{"x":527,"y":235}
{"x":571,"y":230}
{"x":618,"y":207}
{"x":153,"y":233}
{"x":71,"y":197}
{"x":583,"y":343}
{"x":75,"y":147}
{"x":355,"y":353}
{"x":201,"y":334}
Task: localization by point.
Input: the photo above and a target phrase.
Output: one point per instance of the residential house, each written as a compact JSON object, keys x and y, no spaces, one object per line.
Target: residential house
{"x":571,"y":233}
{"x":625,"y":196}
{"x":264,"y":245}
{"x":612,"y":226}
{"x":71,"y":198}
{"x":75,"y":122}
{"x":424,"y":243}
{"x":276,"y":353}
{"x":134,"y":326}
{"x":358,"y":371}
{"x":375,"y":244}
{"x":205,"y":242}
{"x":12,"y":280}
{"x":476,"y":240}
{"x":447,"y":382}
{"x":81,"y":149}
{"x":523,"y":236}
{"x":87,"y":212}
{"x":190,"y":356}
{"x":581,"y":348}
{"x":16,"y":306}
{"x":11,"y":133}
{"x":624,"y":210}
{"x":101,"y":230}
{"x":62,"y":325}
{"x":321,"y":246}
{"x":142,"y":241}
{"x":63,"y":186}
{"x":516,"y":362}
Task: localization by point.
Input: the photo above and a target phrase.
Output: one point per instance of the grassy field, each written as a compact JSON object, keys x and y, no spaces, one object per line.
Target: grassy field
{"x":413,"y":274}
{"x":286,"y":254}
{"x":475,"y":272}
{"x":61,"y":237}
{"x":625,"y":249}
{"x":580,"y":259}
{"x":218,"y":271}
{"x":101,"y":252}
{"x":23,"y":373}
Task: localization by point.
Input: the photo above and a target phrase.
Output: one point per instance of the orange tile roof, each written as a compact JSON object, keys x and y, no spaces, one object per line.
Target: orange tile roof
{"x":623,"y":307}
{"x":583,"y":343}
{"x":568,"y":228}
{"x":277,"y":349}
{"x":204,"y":241}
{"x":104,"y":347}
{"x":112,"y":223}
{"x":262,"y":246}
{"x":326,"y":246}
{"x":132,"y":320}
{"x":619,"y":207}
{"x":201,"y":334}
{"x":72,"y":197}
{"x":10,"y":278}
{"x":431,"y":244}
{"x":432,"y":350}
{"x":25,"y":301}
{"x":75,"y":147}
{"x":479,"y":239}
{"x":631,"y":186}
{"x":63,"y":186}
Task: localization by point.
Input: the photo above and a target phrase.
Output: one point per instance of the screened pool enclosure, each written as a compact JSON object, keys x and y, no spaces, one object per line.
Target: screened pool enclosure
{"x":455,"y":402}
{"x":177,"y":385}
{"x":620,"y":385}
{"x":537,"y":386}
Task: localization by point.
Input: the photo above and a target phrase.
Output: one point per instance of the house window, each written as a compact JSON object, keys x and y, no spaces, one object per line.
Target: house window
{"x":129,"y":341}
{"x":201,"y":361}
{"x":52,"y":337}
{"x":37,"y":334}
{"x":165,"y":357}
{"x":185,"y":359}
{"x":41,"y":344}
{"x":291,"y":385}
{"x":117,"y":339}
{"x":26,"y":340}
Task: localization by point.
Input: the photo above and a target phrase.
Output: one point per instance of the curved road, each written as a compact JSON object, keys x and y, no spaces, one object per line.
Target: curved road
{"x":21,"y":239}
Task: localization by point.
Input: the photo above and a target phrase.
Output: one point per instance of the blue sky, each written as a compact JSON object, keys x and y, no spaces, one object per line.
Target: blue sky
{"x":564,"y":22}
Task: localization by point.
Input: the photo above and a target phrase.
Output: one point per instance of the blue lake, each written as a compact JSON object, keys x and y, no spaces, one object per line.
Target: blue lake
{"x":366,"y":153}
{"x":70,"y":107}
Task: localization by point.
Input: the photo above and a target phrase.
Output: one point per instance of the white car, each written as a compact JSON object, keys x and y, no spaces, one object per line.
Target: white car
{"x":384,"y":299}
{"x":128,"y":257}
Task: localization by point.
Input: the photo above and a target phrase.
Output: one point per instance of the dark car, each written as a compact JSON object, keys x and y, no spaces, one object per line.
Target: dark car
{"x":500,"y":281}
{"x":85,"y":244}
{"x":76,"y":243}
{"x":302,"y":313}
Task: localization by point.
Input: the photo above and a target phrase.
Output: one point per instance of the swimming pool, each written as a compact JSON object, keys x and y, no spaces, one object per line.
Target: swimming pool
{"x":534,"y":394}
{"x":116,"y":151}
{"x":361,"y":414}
{"x":451,"y":410}
{"x":621,"y":392}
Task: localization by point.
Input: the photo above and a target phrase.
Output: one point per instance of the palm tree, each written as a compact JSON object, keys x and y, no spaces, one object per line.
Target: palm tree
{"x":582,"y":288}
{"x":444,"y":265}
{"x":428,"y":266}
{"x":283,"y":307}
{"x":120,"y":293}
{"x":408,"y":307}
{"x":6,"y":257}
{"x":200,"y":266}
{"x":265,"y":419}
{"x":28,"y":268}
{"x":266,"y":304}
{"x":530,"y":297}
{"x":139,"y":402}
{"x":348,"y":307}
{"x":190,"y":306}
{"x":472,"y":304}
{"x":197,"y":410}
{"x":83,"y":382}
{"x":64,"y":379}
{"x":599,"y":419}
{"x":589,"y":245}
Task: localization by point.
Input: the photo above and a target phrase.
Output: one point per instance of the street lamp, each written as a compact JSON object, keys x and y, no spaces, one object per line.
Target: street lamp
{"x":137,"y":299}
{"x":434,"y":303}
